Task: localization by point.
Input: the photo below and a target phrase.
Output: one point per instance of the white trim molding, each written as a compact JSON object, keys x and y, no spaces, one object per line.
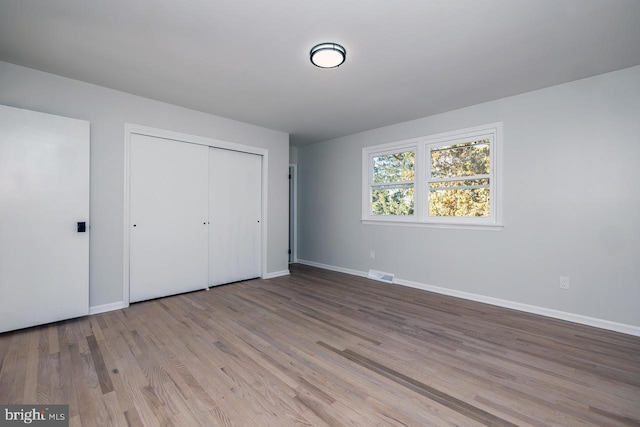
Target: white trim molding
{"x":489,"y":227}
{"x":276,"y":274}
{"x":96,"y":309}
{"x":294,"y":200}
{"x":333,"y":268}
{"x":547,"y":312}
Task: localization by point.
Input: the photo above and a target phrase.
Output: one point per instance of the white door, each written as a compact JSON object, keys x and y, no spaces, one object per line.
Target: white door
{"x":44,"y":194}
{"x":235,"y":210}
{"x":169,"y":231}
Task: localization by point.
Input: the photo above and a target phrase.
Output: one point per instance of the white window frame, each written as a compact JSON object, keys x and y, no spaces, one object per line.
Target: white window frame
{"x":422,"y":146}
{"x":382,"y":150}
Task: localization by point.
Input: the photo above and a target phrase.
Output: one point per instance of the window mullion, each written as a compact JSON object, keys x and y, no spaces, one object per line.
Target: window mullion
{"x":460,"y":178}
{"x":392,"y":184}
{"x":420,"y":193}
{"x":459,"y":187}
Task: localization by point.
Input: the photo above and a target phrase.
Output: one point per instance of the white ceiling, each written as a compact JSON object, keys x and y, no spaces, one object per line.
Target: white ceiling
{"x":248,"y":59}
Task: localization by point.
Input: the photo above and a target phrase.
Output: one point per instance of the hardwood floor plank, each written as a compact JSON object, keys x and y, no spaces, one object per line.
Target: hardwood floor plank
{"x":81,"y":383}
{"x":425,"y":390}
{"x":31,"y":366}
{"x":132,"y":418}
{"x":67,"y":387}
{"x":318,"y":410}
{"x":98,"y":362}
{"x":112,"y":405}
{"x":615,"y":417}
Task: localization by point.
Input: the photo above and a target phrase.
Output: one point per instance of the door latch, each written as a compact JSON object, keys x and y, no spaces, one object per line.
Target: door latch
{"x":82,"y":227}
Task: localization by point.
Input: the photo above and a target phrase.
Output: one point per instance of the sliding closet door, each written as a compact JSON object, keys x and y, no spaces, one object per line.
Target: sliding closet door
{"x":169,"y":231}
{"x":235,"y":209}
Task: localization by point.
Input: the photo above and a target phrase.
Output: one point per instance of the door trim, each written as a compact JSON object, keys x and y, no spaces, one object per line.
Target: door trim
{"x":293,"y":199}
{"x":132,"y":128}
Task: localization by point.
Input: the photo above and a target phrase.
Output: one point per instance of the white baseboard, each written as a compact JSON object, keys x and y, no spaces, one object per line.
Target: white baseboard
{"x":556,"y":314}
{"x":333,"y":268}
{"x":276,"y":274}
{"x":121,"y":304}
{"x":107,"y":307}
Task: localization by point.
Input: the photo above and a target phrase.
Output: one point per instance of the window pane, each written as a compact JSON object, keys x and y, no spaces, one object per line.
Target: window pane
{"x":394,"y":167}
{"x":466,"y":159}
{"x":392,"y":200}
{"x":471,"y":202}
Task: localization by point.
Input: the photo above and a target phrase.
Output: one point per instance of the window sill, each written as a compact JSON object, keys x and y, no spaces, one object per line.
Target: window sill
{"x":459,"y":226}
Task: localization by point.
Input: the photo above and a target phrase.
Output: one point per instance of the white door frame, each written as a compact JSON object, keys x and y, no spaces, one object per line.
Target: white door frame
{"x":131,"y":128}
{"x":294,"y":201}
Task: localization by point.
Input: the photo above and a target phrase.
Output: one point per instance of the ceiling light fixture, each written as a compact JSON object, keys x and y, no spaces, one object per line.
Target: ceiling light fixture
{"x":327,"y":55}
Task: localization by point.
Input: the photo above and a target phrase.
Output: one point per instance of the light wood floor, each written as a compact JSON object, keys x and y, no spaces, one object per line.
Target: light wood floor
{"x":323,"y":348}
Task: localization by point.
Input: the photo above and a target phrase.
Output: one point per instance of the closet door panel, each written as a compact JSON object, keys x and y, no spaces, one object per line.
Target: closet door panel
{"x":235,"y":209}
{"x":169,"y":231}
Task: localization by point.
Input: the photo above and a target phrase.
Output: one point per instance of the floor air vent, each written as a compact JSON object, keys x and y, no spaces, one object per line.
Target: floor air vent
{"x":381,"y":276}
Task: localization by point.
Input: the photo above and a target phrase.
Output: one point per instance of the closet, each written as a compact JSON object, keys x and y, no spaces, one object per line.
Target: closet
{"x":195,"y":216}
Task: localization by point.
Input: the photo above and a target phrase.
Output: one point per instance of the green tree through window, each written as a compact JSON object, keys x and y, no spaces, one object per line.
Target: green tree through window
{"x":451,"y":179}
{"x":393,"y":188}
{"x":459,"y":180}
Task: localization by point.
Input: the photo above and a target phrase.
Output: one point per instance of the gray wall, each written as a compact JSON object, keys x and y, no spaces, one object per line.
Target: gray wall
{"x":571,"y":203}
{"x":293,"y":155}
{"x":108,"y":110}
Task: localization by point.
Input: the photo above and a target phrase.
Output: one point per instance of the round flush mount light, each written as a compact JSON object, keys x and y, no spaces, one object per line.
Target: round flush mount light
{"x":327,"y":55}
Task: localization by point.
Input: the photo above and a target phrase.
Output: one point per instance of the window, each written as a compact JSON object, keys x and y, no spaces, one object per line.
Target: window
{"x":459,"y":179}
{"x":448,"y":180}
{"x":393,"y":183}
